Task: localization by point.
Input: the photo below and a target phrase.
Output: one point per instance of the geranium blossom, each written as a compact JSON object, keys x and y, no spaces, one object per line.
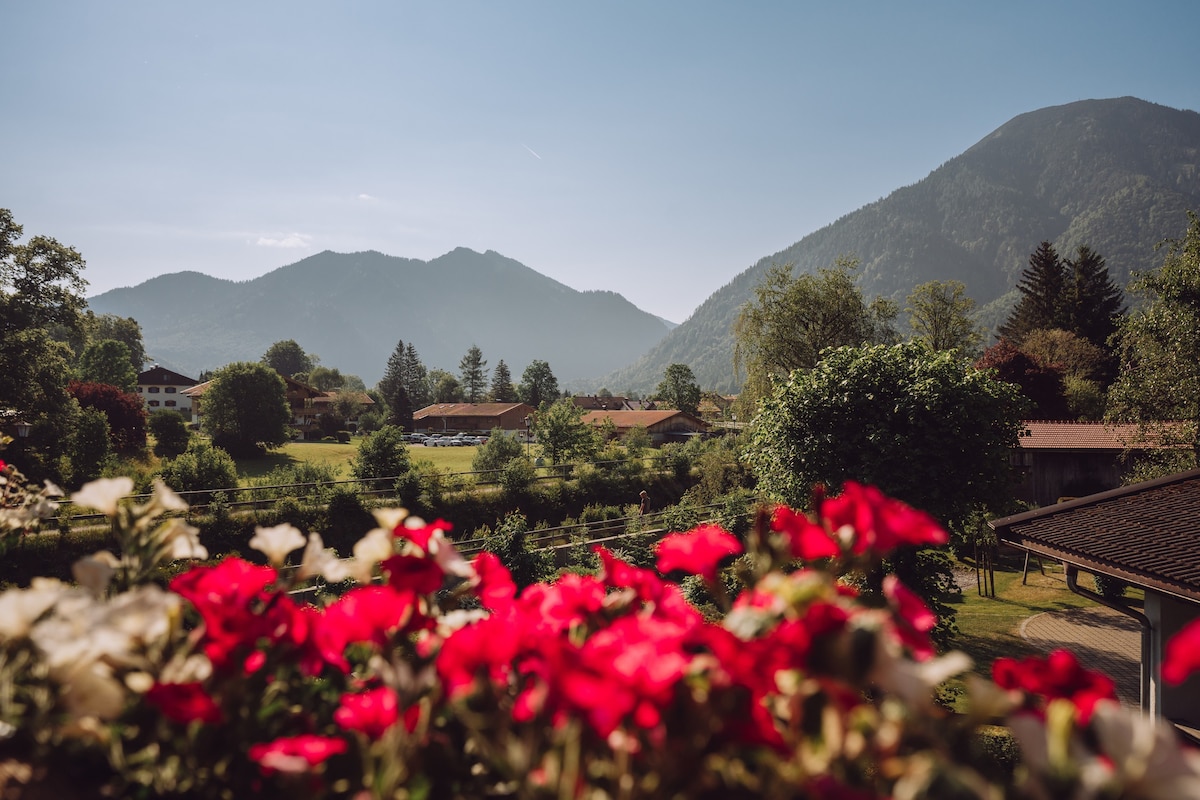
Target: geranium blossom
{"x":877,"y":522}
{"x":1183,"y":654}
{"x":807,"y":540}
{"x":699,"y":552}
{"x":295,"y":754}
{"x":371,"y":712}
{"x":1058,"y":675}
{"x":184,"y":702}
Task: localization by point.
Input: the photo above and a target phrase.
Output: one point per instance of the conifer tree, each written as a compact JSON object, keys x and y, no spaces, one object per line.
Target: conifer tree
{"x":472,"y":370}
{"x":503,"y":390}
{"x":395,"y":393}
{"x":1093,"y":303}
{"x":416,"y":378}
{"x":1042,"y":288}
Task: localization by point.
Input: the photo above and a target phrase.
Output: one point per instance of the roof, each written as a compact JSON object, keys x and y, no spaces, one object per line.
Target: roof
{"x":1047,"y":435}
{"x":469,"y":410}
{"x":631,"y":419}
{"x":329,"y":397}
{"x":197,"y":390}
{"x":1147,"y":534}
{"x":164,"y":377}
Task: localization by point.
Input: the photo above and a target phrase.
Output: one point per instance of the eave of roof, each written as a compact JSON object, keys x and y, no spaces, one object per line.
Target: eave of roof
{"x":1147,"y":534}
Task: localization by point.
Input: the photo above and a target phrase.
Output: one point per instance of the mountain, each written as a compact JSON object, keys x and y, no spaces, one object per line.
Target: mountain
{"x":350,"y":310}
{"x":1117,"y":175}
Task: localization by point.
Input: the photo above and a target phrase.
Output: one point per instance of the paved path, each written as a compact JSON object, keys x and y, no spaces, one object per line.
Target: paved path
{"x":1101,"y":638}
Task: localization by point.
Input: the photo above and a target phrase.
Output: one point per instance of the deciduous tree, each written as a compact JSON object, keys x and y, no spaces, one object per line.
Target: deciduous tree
{"x":472,"y":369}
{"x":538,"y":385}
{"x":939,"y":313}
{"x":245,"y":408}
{"x":679,"y":389}
{"x":1041,"y":384}
{"x":382,"y":454}
{"x":107,"y":361}
{"x":123,"y":411}
{"x":125,"y":330}
{"x":562,"y":433}
{"x":170,"y":432}
{"x":288,"y":358}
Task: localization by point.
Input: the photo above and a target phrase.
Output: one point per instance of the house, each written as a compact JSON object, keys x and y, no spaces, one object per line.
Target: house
{"x":441,"y":417}
{"x":716,"y":407}
{"x":593,"y":402}
{"x":1070,"y":459}
{"x":1147,"y":535}
{"x":324,"y":405}
{"x":162,"y":388}
{"x":663,"y":426}
{"x":307,"y":404}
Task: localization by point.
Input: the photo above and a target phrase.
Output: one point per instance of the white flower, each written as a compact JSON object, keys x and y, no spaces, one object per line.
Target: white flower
{"x":319,"y":560}
{"x":914,"y":681}
{"x":103,"y":494}
{"x":275,"y":543}
{"x":165,"y":499}
{"x":1146,"y":754}
{"x":90,"y":690}
{"x":389,"y":518}
{"x":20,"y":608}
{"x":182,"y":540}
{"x":95,"y":572}
{"x":377,"y":545}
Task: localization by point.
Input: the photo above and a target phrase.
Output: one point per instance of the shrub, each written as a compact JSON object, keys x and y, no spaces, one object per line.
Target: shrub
{"x":170,"y":432}
{"x":199,"y":469}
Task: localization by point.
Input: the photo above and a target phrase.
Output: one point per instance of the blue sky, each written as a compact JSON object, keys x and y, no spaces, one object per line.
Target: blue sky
{"x":653,"y":149}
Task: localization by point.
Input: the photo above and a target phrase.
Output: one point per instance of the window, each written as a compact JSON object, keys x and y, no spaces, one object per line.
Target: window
{"x":139,"y":390}
{"x":153,"y":403}
{"x":153,"y":390}
{"x":170,"y":403}
{"x":170,"y":390}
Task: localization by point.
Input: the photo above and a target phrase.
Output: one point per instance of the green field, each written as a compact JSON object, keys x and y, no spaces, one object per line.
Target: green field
{"x":338,"y":455}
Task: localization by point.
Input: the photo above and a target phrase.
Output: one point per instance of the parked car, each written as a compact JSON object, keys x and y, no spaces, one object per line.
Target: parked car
{"x":433,"y":440}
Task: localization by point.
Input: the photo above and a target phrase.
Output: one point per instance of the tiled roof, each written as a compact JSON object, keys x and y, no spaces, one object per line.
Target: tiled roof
{"x":467,"y":410}
{"x":161,"y":376}
{"x":329,"y":397}
{"x":630,"y":419}
{"x":1147,"y":534}
{"x":197,"y":390}
{"x":1043,"y":435}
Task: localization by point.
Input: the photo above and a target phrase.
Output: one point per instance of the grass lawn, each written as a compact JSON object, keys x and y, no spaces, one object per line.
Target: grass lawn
{"x":338,"y":455}
{"x":989,"y":627}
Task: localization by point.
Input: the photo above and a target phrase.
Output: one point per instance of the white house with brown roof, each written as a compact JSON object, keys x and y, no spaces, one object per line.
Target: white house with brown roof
{"x":664,"y":426}
{"x":162,"y":388}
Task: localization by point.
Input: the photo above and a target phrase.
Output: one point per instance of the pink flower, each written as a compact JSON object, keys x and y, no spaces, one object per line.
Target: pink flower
{"x":1183,"y":654}
{"x":880,"y":523}
{"x":808,"y":540}
{"x":697,"y":552}
{"x":295,"y":754}
{"x":371,"y":712}
{"x":184,"y":702}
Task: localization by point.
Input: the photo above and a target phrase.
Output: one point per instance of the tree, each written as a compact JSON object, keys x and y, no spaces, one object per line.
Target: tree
{"x":382,"y":454}
{"x":325,"y":378}
{"x":562,"y":433}
{"x":122,"y":410}
{"x":1041,"y":384}
{"x":503,"y":390}
{"x":40,"y":286}
{"x":395,"y":391}
{"x":123,"y":329}
{"x":473,"y":371}
{"x":107,"y":361}
{"x":500,"y":449}
{"x":1086,"y":368}
{"x":679,"y":389}
{"x":245,"y":408}
{"x":200,"y":468}
{"x":1094,"y":304}
{"x":925,"y":427}
{"x":446,"y":388}
{"x":538,"y":385}
{"x":1042,"y":287}
{"x":416,"y":378}
{"x":170,"y":432}
{"x":939,"y":314}
{"x":1159,"y":350}
{"x":288,"y":358}
{"x":793,"y":318}
{"x":91,"y":446}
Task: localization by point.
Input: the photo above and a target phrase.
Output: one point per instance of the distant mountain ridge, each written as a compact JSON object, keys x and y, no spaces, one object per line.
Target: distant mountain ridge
{"x":1117,"y":175}
{"x":350,"y":309}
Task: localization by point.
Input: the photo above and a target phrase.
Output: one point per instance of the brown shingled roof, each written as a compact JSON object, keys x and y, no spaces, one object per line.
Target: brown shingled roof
{"x":1045,"y":435}
{"x":464,"y":410}
{"x":1147,"y":534}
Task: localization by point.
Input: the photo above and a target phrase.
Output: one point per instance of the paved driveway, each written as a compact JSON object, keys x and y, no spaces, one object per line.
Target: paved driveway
{"x":1101,"y":638}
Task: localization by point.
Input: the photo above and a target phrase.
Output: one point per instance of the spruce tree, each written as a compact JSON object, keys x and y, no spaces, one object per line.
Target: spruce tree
{"x":416,"y":378}
{"x":1093,"y":301}
{"x":473,"y":372}
{"x":1042,"y":288}
{"x":503,"y":390}
{"x":395,"y":393}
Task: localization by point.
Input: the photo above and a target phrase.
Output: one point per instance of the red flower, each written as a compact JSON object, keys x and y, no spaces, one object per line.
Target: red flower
{"x":371,"y":614}
{"x":496,"y":588}
{"x":371,"y":712}
{"x":915,"y":618}
{"x":619,"y":574}
{"x":484,"y":648}
{"x":295,"y":754}
{"x":420,"y":536}
{"x":229,"y":597}
{"x":413,"y":573}
{"x":698,"y":552}
{"x":184,"y":702}
{"x":1183,"y":654}
{"x":1059,"y":675}
{"x":808,"y":540}
{"x":880,"y":523}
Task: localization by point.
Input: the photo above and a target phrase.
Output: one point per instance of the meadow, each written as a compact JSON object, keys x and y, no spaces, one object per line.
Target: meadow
{"x":339,"y":455}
